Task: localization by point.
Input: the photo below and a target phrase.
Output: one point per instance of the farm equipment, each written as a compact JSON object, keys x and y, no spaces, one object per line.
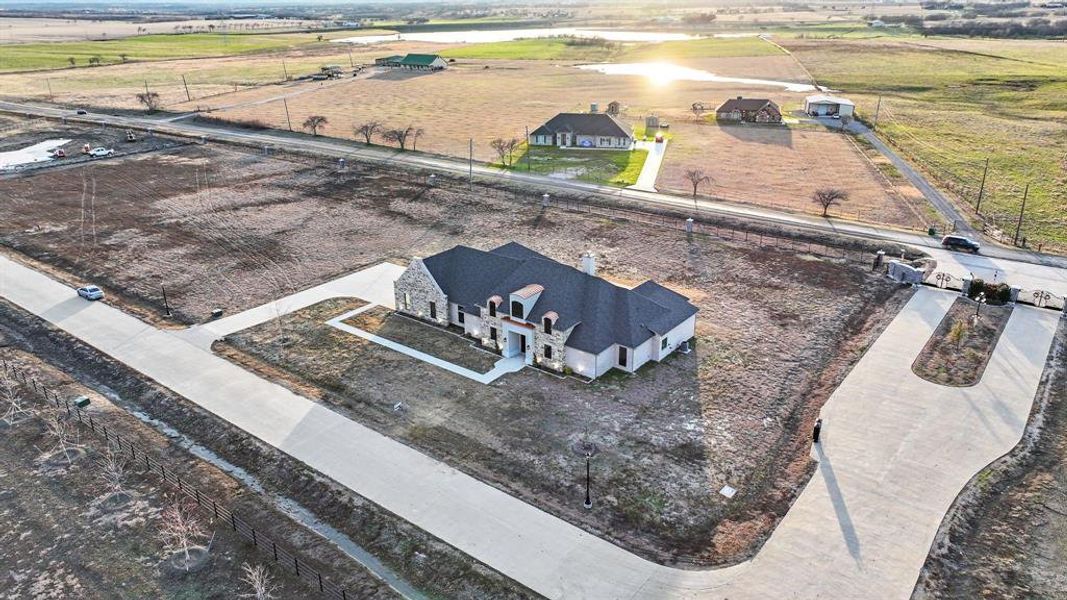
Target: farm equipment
{"x":130,"y":137}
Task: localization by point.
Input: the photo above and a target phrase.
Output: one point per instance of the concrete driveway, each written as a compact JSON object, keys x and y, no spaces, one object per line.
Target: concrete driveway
{"x":897,"y":450}
{"x":646,"y":181}
{"x":373,"y":284}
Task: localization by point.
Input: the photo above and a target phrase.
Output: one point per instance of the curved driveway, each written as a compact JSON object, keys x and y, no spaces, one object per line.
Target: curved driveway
{"x":896,"y":451}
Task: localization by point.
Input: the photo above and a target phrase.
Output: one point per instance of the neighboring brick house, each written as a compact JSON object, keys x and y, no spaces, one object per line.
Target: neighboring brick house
{"x":583,"y":130}
{"x":519,"y":302}
{"x":749,"y":110}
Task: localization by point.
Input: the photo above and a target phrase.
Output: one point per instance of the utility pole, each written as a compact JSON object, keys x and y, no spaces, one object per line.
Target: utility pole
{"x":981,"y":190}
{"x":1019,"y":223}
{"x":50,"y":95}
{"x":528,"y":148}
{"x":877,"y":111}
{"x":470,"y":164}
{"x":165,"y":303}
{"x":287,"y":120}
{"x":351,"y":62}
{"x":146,"y":86}
{"x":285,"y":71}
{"x":186,"y":84}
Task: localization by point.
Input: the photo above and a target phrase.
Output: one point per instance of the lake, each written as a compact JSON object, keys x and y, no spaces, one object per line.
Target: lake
{"x":507,"y":35}
{"x":660,"y":73}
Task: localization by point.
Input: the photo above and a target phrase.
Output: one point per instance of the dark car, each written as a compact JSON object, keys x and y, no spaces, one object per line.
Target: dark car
{"x":82,"y":111}
{"x":958,"y":242}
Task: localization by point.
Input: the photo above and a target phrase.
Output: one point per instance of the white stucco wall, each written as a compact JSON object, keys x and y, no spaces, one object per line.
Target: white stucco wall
{"x":642,"y":354}
{"x":682,"y":332}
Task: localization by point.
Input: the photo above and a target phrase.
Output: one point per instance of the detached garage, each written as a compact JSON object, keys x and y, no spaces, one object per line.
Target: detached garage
{"x":822,"y":105}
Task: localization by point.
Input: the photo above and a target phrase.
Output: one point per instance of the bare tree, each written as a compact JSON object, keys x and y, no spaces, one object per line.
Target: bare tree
{"x":398,"y":136}
{"x":150,"y":100}
{"x":415,"y":135}
{"x":13,"y":403}
{"x":314,"y":123}
{"x":827,"y":197}
{"x":124,"y":57}
{"x":614,"y":108}
{"x":73,"y":61}
{"x":368,"y":130}
{"x":505,"y":149}
{"x":696,"y":178}
{"x":95,"y":61}
{"x":60,"y":431}
{"x":114,"y":469}
{"x":260,"y":581}
{"x":180,"y":530}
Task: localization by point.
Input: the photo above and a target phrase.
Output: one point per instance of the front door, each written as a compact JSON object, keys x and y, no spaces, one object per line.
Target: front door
{"x":622,"y":356}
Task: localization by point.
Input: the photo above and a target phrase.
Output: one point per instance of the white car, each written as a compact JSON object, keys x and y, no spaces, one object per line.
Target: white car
{"x":91,"y":292}
{"x":101,"y":151}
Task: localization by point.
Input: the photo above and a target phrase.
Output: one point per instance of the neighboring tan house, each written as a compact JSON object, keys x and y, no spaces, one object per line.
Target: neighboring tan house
{"x":418,"y":62}
{"x":749,"y":110}
{"x":583,"y":130}
{"x":521,"y":303}
{"x":823,"y":105}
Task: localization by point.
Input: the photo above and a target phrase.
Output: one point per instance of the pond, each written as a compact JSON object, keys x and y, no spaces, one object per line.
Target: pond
{"x":661,"y":73}
{"x":39,"y":152}
{"x":507,"y":35}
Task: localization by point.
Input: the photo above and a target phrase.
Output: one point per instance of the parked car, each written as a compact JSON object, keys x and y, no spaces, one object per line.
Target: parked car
{"x":81,"y":111}
{"x":100,"y":151}
{"x":91,"y":292}
{"x":959,"y":242}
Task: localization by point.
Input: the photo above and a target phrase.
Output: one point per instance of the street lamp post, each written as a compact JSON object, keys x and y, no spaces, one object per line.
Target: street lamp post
{"x":588,"y":450}
{"x":588,"y":499}
{"x":979,"y":301}
{"x":166,"y":304}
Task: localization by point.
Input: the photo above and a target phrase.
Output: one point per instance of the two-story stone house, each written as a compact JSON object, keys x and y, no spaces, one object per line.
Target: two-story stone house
{"x":519,"y":302}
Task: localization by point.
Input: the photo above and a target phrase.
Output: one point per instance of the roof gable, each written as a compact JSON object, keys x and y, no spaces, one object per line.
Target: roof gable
{"x":746,"y":105}
{"x":420,"y":59}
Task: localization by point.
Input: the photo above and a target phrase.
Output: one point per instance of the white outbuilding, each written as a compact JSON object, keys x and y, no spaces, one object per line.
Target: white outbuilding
{"x":823,"y":105}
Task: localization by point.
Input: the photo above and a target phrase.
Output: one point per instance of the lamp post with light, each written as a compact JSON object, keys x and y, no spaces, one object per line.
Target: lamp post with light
{"x":979,"y":300}
{"x":587,"y":450}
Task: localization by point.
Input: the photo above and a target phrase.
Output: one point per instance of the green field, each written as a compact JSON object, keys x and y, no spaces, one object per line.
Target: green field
{"x":612,"y":167}
{"x":570,"y":50}
{"x":22,"y":57}
{"x":948,"y":105}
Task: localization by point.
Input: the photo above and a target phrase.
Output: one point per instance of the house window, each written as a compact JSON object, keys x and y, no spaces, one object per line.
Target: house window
{"x":605,"y":141}
{"x":492,"y":333}
{"x":516,"y":309}
{"x":548,"y":325}
{"x":492,"y":308}
{"x":663,"y":343}
{"x":548,"y":352}
{"x":622,"y":356}
{"x":460,"y":317}
{"x":433,"y":310}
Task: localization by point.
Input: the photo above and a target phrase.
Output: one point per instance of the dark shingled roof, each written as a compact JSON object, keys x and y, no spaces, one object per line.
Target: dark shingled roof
{"x":746,"y":105}
{"x":601,"y":312}
{"x":599,"y":124}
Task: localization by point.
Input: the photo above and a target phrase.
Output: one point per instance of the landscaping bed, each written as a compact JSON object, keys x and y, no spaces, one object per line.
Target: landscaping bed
{"x":437,"y":342}
{"x":960,"y":347}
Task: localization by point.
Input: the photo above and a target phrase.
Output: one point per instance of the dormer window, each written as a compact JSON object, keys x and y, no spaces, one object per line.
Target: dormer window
{"x":492,"y":308}
{"x":548,"y":324}
{"x":516,"y":309}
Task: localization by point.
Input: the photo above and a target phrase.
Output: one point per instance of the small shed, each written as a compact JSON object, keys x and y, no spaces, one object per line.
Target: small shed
{"x":824,"y":105}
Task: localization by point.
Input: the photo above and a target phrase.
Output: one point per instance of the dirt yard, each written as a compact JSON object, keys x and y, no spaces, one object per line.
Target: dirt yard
{"x":734,"y":412}
{"x":1004,"y":537}
{"x":68,"y":533}
{"x":960,"y":347}
{"x":111,"y":138}
{"x":234,"y":230}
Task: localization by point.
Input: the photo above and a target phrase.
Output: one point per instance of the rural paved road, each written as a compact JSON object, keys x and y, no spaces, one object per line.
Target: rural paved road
{"x":337,"y":148}
{"x":896,"y":452}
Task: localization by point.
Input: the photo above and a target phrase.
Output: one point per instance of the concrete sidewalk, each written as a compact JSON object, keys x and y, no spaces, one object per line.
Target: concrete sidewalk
{"x":500,"y":368}
{"x":896,"y":452}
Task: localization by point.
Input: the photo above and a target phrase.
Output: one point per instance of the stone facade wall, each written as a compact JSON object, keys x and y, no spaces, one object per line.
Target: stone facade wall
{"x":416,"y":284}
{"x":557,"y":340}
{"x":491,"y":322}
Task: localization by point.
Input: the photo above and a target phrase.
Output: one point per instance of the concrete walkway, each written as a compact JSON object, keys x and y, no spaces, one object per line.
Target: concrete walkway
{"x":896,"y":452}
{"x":646,"y":181}
{"x":374,"y":284}
{"x":500,"y":368}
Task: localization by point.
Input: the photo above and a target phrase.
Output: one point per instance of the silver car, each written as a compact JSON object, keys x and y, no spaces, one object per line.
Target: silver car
{"x":91,"y":292}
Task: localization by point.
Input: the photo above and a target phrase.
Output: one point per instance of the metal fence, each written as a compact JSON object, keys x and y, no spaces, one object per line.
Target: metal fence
{"x":138,"y":456}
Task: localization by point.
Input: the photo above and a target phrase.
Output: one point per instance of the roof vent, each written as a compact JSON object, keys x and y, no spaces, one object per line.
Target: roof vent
{"x":594,"y":107}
